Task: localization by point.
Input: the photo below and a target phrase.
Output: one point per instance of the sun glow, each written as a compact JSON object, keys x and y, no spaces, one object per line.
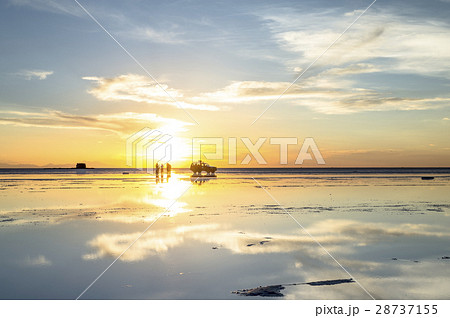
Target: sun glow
{"x":166,"y":195}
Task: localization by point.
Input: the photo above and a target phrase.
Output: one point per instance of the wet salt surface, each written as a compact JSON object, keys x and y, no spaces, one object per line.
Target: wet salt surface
{"x":223,"y":235}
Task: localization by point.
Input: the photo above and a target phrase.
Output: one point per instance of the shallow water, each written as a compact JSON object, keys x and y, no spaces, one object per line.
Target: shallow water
{"x":59,"y":231}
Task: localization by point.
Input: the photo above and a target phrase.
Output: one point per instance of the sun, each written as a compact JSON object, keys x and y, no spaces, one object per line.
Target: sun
{"x":178,"y":150}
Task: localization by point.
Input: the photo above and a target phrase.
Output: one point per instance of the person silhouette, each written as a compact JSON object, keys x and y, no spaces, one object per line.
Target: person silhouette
{"x":157,"y":169}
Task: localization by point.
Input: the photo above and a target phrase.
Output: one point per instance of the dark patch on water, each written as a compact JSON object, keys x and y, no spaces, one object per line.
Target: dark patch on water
{"x":266,"y":291}
{"x":275,"y":290}
{"x":331,"y":282}
{"x":7,"y":220}
{"x":435,"y":210}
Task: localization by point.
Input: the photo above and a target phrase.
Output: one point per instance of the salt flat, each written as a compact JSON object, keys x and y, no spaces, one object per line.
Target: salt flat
{"x":59,"y":231}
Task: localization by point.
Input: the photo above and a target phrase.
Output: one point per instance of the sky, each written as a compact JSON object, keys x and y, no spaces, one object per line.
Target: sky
{"x":379,"y":96}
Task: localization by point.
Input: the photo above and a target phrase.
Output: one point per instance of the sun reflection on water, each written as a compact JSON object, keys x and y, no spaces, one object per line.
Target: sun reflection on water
{"x":167,"y":194}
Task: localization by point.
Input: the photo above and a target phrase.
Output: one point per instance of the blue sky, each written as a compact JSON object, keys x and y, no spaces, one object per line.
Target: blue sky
{"x":382,"y":88}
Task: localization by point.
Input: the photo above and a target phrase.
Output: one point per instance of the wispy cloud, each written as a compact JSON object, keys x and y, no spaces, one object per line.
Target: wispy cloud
{"x":121,"y":123}
{"x":396,"y":43}
{"x":123,"y":24}
{"x":38,"y":261}
{"x":139,"y":88}
{"x":146,"y":33}
{"x":329,"y":92}
{"x":34,"y":74}
{"x":326,"y":93}
{"x":54,"y":6}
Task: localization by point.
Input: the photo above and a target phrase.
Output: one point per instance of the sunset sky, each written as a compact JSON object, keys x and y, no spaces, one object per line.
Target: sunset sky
{"x":379,"y":97}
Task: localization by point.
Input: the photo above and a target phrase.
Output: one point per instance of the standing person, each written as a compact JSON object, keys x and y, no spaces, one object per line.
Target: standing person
{"x":162,"y":169}
{"x":157,"y":169}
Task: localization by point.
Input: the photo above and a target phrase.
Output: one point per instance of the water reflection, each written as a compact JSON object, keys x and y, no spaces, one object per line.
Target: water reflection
{"x":200,"y":180}
{"x":168,"y":195}
{"x":120,"y":200}
{"x":226,"y":235}
{"x":344,"y":236}
{"x":151,"y":243}
{"x":161,"y":178}
{"x":360,"y":246}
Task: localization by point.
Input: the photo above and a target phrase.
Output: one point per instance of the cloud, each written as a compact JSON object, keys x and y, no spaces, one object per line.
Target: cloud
{"x":122,"y":123}
{"x":53,"y":6}
{"x":250,"y":91}
{"x":146,"y":33}
{"x":34,"y":74}
{"x":38,"y":261}
{"x":139,"y":88}
{"x":325,"y":93}
{"x":329,"y":91}
{"x":398,"y":44}
{"x":352,"y":69}
{"x":121,"y":24}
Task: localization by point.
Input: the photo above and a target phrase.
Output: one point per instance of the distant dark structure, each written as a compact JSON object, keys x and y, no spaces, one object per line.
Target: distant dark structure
{"x":198,"y":167}
{"x":81,"y":165}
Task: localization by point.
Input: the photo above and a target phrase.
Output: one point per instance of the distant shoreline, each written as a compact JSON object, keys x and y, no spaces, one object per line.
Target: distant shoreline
{"x":240,"y":168}
{"x":419,"y":171}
